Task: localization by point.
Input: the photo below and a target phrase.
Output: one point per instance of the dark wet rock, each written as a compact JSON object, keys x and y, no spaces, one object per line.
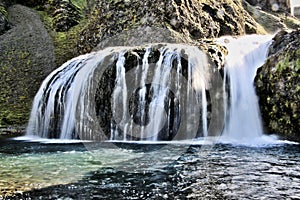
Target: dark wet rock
{"x":278,"y":86}
{"x":192,"y":19}
{"x":26,"y":57}
{"x":31,"y":3}
{"x":65,"y":15}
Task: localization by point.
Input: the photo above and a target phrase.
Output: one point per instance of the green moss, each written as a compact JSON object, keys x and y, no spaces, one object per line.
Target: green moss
{"x":14,"y":109}
{"x":64,"y":42}
{"x":81,"y":4}
{"x":47,"y":20}
{"x":3,"y":11}
{"x":280,"y":93}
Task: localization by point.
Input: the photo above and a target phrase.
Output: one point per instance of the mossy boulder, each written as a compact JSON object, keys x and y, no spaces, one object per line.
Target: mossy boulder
{"x":193,"y":19}
{"x":26,"y":58}
{"x":278,"y":86}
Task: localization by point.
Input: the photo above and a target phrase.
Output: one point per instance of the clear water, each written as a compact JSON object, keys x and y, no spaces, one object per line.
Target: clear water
{"x":50,"y":170}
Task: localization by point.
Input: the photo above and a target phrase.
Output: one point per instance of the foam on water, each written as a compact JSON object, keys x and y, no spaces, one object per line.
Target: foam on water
{"x":38,"y":139}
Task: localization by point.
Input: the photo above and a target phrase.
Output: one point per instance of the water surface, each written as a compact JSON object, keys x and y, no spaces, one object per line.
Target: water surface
{"x":148,"y":171}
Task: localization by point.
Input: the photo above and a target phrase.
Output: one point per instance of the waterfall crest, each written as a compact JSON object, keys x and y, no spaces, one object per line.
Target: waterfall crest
{"x":126,"y":93}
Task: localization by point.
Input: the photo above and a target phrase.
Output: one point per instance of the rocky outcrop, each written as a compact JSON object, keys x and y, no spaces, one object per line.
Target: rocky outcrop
{"x":192,"y":19}
{"x":271,"y":5}
{"x":278,"y":86}
{"x":65,"y":15}
{"x":271,"y":22}
{"x":26,"y":57}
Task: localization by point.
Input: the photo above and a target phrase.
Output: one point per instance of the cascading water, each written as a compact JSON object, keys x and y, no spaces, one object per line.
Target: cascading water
{"x":157,"y":94}
{"x":154,"y":93}
{"x":245,"y":55}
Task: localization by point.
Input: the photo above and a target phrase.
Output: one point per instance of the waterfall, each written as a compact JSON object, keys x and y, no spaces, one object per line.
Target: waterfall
{"x":152,"y":93}
{"x":126,"y":93}
{"x":245,"y":55}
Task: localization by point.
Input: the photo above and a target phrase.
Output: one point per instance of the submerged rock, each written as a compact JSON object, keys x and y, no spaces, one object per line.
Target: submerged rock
{"x":278,"y":86}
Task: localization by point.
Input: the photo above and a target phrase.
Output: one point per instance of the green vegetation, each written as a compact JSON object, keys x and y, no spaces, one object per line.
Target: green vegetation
{"x":3,"y":11}
{"x":14,"y":110}
{"x":279,"y":91}
{"x":80,"y":3}
{"x":65,"y":43}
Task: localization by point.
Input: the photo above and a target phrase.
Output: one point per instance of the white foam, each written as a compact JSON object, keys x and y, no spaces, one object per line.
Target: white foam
{"x":48,"y":141}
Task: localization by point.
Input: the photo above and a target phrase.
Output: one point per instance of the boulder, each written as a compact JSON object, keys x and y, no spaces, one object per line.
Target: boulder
{"x":278,"y":87}
{"x":26,"y":58}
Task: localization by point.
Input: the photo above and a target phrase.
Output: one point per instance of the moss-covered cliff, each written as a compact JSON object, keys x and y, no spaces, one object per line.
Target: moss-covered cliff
{"x":278,"y":86}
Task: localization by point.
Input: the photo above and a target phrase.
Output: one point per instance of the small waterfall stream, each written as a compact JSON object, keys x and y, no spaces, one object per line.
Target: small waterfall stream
{"x":157,"y":92}
{"x":243,"y":121}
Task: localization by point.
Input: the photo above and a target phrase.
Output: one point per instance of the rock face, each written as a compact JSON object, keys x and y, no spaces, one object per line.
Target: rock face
{"x":26,"y":57}
{"x":65,"y":15}
{"x":192,"y":19}
{"x":271,"y":5}
{"x":278,"y":86}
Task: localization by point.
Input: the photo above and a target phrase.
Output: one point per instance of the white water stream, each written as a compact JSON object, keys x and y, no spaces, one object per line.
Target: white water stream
{"x":243,"y":120}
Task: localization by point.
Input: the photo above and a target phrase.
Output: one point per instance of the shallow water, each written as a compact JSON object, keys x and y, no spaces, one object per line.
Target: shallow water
{"x":148,"y":171}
